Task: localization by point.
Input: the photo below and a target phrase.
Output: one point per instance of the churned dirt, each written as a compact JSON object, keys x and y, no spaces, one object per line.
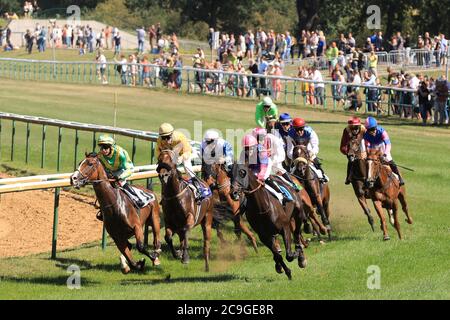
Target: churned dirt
{"x":26,"y":221}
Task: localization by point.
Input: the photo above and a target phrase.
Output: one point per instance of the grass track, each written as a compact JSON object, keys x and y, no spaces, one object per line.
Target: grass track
{"x":416,"y":267}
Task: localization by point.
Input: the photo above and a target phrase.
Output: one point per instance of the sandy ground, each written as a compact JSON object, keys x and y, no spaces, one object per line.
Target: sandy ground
{"x":26,"y":220}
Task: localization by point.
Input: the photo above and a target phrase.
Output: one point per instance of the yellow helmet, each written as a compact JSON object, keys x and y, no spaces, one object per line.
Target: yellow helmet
{"x":106,"y":139}
{"x":166,"y":129}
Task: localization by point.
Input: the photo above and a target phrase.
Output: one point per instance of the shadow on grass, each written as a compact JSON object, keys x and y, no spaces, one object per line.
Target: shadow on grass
{"x":47,"y":280}
{"x":168,"y":279}
{"x":64,"y":263}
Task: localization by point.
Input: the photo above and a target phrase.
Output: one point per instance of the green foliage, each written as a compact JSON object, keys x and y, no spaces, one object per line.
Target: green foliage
{"x":9,"y":6}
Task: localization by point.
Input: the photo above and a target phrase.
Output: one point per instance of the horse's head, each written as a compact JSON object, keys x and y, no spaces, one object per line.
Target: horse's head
{"x":301,"y":166}
{"x":167,"y":165}
{"x":373,"y":166}
{"x":89,"y":170}
{"x":239,"y":180}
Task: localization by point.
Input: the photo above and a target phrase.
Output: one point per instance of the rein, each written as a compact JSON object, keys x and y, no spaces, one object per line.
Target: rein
{"x":254,"y":190}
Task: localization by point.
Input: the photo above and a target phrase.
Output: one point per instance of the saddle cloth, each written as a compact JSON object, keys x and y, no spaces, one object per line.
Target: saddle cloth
{"x":142,"y":196}
{"x":277,"y":195}
{"x":318,"y":172}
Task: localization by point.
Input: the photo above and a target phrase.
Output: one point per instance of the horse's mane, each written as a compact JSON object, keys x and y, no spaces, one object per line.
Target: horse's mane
{"x":91,"y":155}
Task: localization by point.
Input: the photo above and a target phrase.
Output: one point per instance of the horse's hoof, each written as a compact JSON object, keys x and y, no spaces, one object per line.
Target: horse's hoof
{"x":278,"y":268}
{"x":158,"y":252}
{"x":178,"y":254}
{"x":322,"y":242}
{"x":185,"y":260}
{"x":289,"y":274}
{"x":156,"y":262}
{"x":386,"y":238}
{"x":140,"y":265}
{"x":410,"y":221}
{"x":302,"y":262}
{"x":290,"y":258}
{"x":125,"y":270}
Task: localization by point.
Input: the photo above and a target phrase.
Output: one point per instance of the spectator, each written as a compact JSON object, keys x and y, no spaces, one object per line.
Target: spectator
{"x":159,"y":32}
{"x":276,"y":82}
{"x":373,"y":63}
{"x":318,"y":87}
{"x":141,"y":39}
{"x":121,"y":67}
{"x":117,"y":43}
{"x":29,"y":39}
{"x":370,"y":80}
{"x":101,"y":67}
{"x":424,"y":101}
{"x":441,"y":93}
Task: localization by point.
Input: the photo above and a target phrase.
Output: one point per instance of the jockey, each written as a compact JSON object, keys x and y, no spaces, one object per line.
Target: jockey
{"x":377,"y":138}
{"x":352,"y":143}
{"x":169,"y":139}
{"x":284,"y":126}
{"x":217,"y":150}
{"x":306,"y":136}
{"x":255,"y":155}
{"x":274,"y":147}
{"x":264,"y":109}
{"x":117,"y":162}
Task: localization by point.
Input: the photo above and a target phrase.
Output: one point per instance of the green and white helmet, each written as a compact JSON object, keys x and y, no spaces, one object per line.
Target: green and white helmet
{"x":106,"y":139}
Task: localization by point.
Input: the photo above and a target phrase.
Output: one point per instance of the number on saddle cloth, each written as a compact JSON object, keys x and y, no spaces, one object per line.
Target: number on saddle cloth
{"x":204,"y":191}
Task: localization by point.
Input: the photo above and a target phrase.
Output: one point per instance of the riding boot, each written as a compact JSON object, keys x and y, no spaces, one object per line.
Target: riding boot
{"x":198,"y":188}
{"x":277,"y":189}
{"x":289,"y":179}
{"x":394,"y":169}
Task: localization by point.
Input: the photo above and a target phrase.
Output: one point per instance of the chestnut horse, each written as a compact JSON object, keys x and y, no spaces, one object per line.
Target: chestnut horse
{"x":269,"y":218}
{"x":122,"y":220}
{"x":181,"y":211}
{"x":219,"y":181}
{"x":318,"y":192}
{"x":384,"y":190}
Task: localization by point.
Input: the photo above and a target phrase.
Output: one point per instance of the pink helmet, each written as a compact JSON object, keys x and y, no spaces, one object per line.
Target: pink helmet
{"x":249,"y":141}
{"x":259,"y":132}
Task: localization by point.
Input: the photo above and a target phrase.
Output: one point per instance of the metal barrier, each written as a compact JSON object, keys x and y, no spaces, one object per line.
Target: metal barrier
{"x":288,"y":90}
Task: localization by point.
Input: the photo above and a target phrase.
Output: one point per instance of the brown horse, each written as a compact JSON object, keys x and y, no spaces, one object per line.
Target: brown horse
{"x":122,"y":220}
{"x":318,"y":192}
{"x":358,"y":177}
{"x":268,"y":218}
{"x":219,"y":181}
{"x":181,"y":210}
{"x":384,"y":190}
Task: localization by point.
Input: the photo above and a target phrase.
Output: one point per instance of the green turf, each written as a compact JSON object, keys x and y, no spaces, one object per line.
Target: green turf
{"x":416,"y":267}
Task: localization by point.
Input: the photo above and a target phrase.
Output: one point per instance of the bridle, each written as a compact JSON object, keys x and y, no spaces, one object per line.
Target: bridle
{"x":86,"y":174}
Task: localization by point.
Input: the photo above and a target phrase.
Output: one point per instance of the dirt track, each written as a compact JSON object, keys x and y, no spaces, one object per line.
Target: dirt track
{"x":26,"y":220}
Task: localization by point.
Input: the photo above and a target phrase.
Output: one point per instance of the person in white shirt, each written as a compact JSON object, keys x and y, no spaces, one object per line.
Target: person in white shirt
{"x":318,"y":87}
{"x":101,"y":68}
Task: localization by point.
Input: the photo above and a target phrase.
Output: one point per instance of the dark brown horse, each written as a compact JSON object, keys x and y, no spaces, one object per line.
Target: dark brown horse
{"x":218,"y":179}
{"x":122,"y":220}
{"x":269,"y":218}
{"x":384,"y":190}
{"x":318,"y":192}
{"x":181,"y":210}
{"x":357,"y":177}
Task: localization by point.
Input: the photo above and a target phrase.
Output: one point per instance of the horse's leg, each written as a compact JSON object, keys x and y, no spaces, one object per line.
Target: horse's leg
{"x":169,"y":239}
{"x":249,"y":234}
{"x":379,"y":209}
{"x":402,"y":198}
{"x":363,"y":203}
{"x":220,"y":235}
{"x":184,"y":246}
{"x":139,"y":234}
{"x":396,"y":222}
{"x":286,"y":234}
{"x":280,"y":266}
{"x":123,"y":246}
{"x":206,"y":228}
{"x":309,"y":209}
{"x":156,"y":228}
{"x":298,"y":241}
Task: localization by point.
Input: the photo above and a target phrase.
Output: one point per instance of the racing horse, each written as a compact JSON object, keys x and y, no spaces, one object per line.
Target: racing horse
{"x":384,"y":189}
{"x":121,"y":218}
{"x":218,"y":180}
{"x":318,"y":192}
{"x":181,"y":210}
{"x":358,"y":169}
{"x":269,"y":218}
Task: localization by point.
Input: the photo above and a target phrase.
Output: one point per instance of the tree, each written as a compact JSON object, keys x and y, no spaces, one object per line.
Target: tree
{"x":9,"y":6}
